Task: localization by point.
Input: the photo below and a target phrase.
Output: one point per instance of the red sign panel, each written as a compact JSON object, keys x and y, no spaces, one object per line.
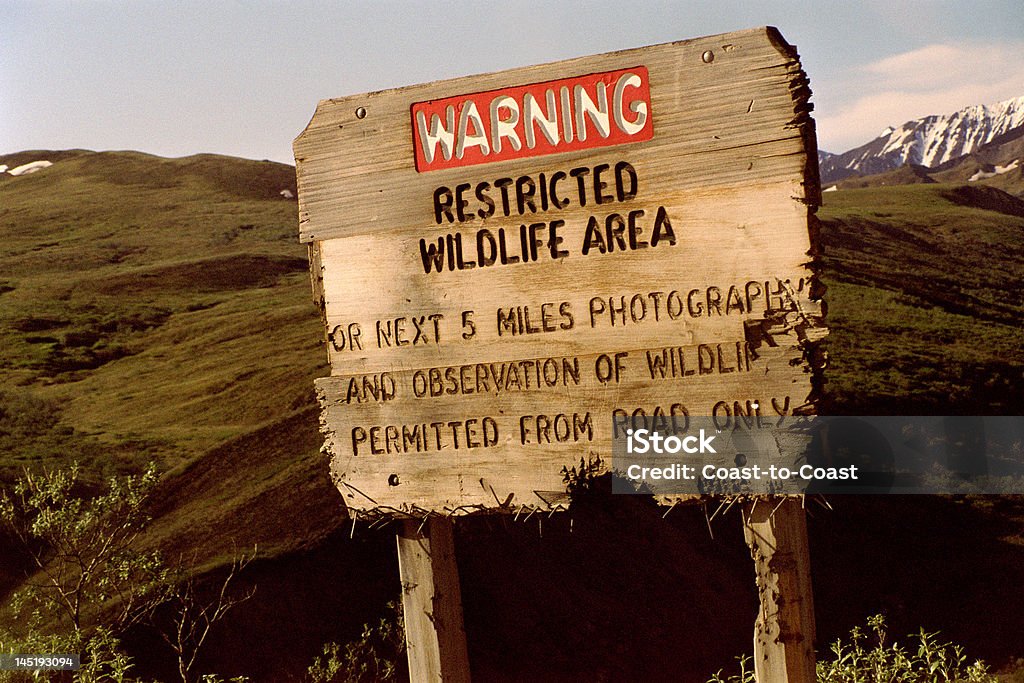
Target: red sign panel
{"x":567,"y":115}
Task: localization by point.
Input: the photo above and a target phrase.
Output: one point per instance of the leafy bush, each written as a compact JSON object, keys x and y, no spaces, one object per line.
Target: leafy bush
{"x":91,"y":581}
{"x":378,"y":654}
{"x":868,"y":658}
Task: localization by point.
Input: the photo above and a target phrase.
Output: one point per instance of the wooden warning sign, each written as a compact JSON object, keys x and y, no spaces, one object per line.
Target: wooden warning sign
{"x":506,"y":262}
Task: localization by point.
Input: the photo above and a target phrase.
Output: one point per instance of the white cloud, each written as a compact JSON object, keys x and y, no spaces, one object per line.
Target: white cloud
{"x":935,"y":79}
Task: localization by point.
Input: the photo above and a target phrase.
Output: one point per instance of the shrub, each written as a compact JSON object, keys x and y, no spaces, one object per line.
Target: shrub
{"x":377,"y":656}
{"x":867,"y":657}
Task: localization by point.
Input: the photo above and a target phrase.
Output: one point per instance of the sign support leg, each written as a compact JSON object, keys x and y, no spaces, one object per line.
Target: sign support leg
{"x":435,"y":637}
{"x":776,"y":533}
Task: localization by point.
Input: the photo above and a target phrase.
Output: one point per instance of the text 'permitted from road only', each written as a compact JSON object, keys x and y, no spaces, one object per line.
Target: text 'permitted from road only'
{"x":506,"y":262}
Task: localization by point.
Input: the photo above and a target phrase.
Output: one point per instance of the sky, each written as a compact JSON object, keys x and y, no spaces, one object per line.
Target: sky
{"x":242,"y":77}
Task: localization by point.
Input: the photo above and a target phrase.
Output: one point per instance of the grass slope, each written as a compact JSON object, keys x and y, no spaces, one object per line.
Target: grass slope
{"x":926,"y":299}
{"x":156,"y":306}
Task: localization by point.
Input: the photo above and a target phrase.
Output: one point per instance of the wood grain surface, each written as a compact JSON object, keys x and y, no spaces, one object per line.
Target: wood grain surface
{"x":476,"y":353}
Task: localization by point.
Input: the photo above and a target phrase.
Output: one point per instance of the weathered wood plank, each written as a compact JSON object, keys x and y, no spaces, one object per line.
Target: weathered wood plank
{"x":432,"y":602}
{"x":461,"y":437}
{"x":435,"y":287}
{"x":733,"y":251}
{"x":776,"y":533}
{"x":731,"y":121}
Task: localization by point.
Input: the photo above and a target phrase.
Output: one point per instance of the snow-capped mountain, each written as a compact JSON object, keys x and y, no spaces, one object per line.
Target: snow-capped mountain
{"x":930,"y":142}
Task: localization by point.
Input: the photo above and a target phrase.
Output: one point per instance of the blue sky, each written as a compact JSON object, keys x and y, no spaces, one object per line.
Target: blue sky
{"x":243,"y":77}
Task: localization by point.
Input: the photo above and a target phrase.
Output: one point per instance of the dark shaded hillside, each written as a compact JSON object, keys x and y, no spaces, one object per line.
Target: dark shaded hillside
{"x":159,"y":309}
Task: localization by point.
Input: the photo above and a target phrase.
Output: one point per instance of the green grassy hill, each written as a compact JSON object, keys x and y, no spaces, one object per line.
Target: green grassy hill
{"x":159,"y":309}
{"x":926,"y":300}
{"x":152,"y":304}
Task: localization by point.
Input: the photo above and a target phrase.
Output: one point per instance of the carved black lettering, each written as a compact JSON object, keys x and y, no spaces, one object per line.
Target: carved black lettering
{"x":662,"y":228}
{"x":721,"y":415}
{"x":460,"y":260}
{"x":638,"y":308}
{"x":468,"y":326}
{"x":547,"y":319}
{"x":543,"y":429}
{"x":625,"y":181}
{"x":391,"y":439}
{"x":565,"y":310}
{"x":419,"y":384}
{"x":443,"y":205}
{"x":376,"y":447}
{"x":635,"y":231}
{"x":562,"y":428}
{"x":733,"y":301}
{"x":524,"y":430}
{"x":536,"y":242}
{"x":503,"y":184}
{"x":674,"y":305}
{"x":571,"y":370}
{"x":723,"y":366}
{"x":596,"y":308}
{"x":490,"y":430}
{"x":556,"y":201}
{"x":579,"y":174}
{"x":714,"y":298}
{"x":593,"y":237}
{"x":525,"y":189}
{"x":656,"y":298}
{"x":507,"y":322}
{"x":677,"y":410}
{"x":384,"y":334}
{"x":451,"y":377}
{"x":600,"y":185}
{"x":435,"y":320}
{"x":620,"y":311}
{"x":461,"y":204}
{"x":506,"y":259}
{"x":705,"y":359}
{"x":417,"y":323}
{"x":436,"y":386}
{"x":432,"y":255}
{"x":554,"y":240}
{"x":615,"y":229}
{"x":483,"y":194}
{"x":412,"y":439}
{"x":753,"y":291}
{"x":471,"y":434}
{"x":359,"y":436}
{"x":695,"y":309}
{"x":454,"y":426}
{"x":582,"y":426}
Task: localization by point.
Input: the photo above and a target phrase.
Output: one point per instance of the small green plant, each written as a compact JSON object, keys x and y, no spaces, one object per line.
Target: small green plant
{"x":745,"y":675}
{"x":868,"y":657}
{"x":90,"y":580}
{"x":83,"y":548}
{"x":378,"y":654}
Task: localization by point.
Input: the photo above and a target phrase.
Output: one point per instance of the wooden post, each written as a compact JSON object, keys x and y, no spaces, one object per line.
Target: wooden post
{"x":435,"y":637}
{"x":776,"y":533}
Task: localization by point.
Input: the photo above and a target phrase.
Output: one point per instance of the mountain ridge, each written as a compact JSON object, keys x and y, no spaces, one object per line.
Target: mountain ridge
{"x":932,"y":141}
